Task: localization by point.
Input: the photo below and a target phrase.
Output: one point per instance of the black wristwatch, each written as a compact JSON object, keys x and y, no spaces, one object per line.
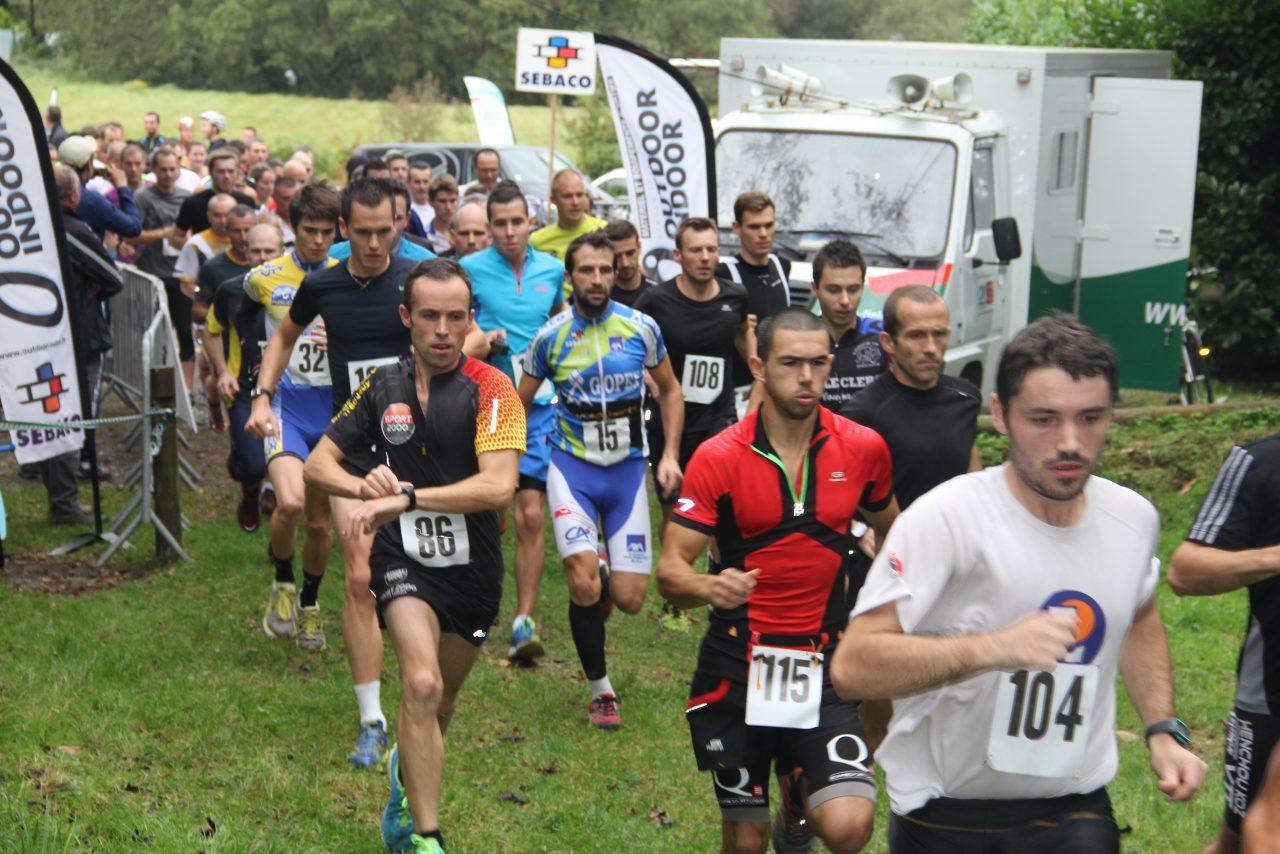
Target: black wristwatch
{"x":259,"y":391}
{"x":413,"y":497}
{"x":1175,"y":727}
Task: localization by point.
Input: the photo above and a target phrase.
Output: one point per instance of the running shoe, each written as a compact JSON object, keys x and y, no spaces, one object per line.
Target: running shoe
{"x":792,"y":834}
{"x":397,"y":821}
{"x":247,"y":512}
{"x":310,"y":628}
{"x":425,"y":845}
{"x":371,"y":744}
{"x":525,"y":643}
{"x":267,"y":500}
{"x":604,"y":712}
{"x":674,"y":619}
{"x":280,"y":619}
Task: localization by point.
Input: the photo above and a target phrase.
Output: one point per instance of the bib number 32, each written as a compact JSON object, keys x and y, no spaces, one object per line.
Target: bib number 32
{"x":784,"y":687}
{"x":1042,"y":719}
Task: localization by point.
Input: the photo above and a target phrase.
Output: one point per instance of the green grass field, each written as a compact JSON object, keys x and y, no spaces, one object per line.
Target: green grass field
{"x":331,"y":127}
{"x":155,"y":715}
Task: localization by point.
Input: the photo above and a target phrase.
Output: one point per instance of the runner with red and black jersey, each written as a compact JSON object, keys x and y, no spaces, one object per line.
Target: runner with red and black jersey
{"x":777,"y":492}
{"x":450,"y":430}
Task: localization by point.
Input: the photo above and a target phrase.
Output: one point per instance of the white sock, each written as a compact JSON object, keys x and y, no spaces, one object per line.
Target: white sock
{"x":516,"y":622}
{"x":599,"y":686}
{"x":368,"y":697}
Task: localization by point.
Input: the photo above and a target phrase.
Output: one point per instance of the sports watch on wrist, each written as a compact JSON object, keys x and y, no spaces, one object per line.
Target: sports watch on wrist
{"x":259,"y":391}
{"x":413,"y":497}
{"x":1175,"y":727}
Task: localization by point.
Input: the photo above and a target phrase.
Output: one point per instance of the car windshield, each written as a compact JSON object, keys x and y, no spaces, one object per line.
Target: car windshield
{"x":896,"y":190}
{"x":524,"y":165}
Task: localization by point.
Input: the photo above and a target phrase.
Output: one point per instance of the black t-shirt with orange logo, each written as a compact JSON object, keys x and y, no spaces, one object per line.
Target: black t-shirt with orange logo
{"x":471,"y":410}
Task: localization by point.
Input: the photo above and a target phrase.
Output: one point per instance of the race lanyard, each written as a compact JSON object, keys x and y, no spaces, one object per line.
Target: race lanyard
{"x":797,"y":499}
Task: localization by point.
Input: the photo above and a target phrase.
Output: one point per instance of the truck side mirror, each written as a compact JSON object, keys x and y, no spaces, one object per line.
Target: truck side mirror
{"x":1008,"y":244}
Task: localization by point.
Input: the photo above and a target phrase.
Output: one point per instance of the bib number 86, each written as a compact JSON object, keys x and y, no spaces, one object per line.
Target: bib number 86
{"x":435,"y":537}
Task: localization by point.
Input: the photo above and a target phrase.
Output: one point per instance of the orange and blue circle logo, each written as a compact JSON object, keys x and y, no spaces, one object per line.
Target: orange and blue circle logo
{"x":1091,"y":630}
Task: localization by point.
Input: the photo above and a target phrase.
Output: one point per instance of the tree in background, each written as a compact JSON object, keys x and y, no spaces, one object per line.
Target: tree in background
{"x":1234,"y":48}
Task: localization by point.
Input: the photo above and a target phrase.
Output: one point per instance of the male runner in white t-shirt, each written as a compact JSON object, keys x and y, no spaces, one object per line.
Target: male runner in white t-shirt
{"x":997,"y":614}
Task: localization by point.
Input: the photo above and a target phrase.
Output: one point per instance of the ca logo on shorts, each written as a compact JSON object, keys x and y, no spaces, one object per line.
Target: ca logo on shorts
{"x":1091,"y":630}
{"x":397,"y":423}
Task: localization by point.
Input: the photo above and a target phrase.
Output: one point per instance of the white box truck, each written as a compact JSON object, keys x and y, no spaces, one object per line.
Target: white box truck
{"x":928,"y":155}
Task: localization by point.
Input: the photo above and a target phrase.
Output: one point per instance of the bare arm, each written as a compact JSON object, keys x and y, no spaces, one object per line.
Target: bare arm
{"x":151,"y":235}
{"x":671,"y":402}
{"x":975,"y":461}
{"x":685,"y":587}
{"x":178,"y":237}
{"x":1198,"y":570}
{"x":528,"y":390}
{"x":881,"y":519}
{"x":877,"y":660}
{"x":476,"y":344}
{"x":274,"y":361}
{"x":323,"y":471}
{"x":1148,"y":677}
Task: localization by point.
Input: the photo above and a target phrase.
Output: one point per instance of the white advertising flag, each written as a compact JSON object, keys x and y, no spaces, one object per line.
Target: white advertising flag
{"x":39,"y":377}
{"x":490,"y":109}
{"x":555,"y":62}
{"x":664,"y":134}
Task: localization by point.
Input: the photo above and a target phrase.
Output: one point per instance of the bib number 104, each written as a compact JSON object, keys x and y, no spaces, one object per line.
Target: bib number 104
{"x":1041,"y":721}
{"x":784,"y":687}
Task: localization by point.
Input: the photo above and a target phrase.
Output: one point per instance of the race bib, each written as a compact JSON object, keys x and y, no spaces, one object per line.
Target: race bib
{"x":1042,"y":719}
{"x":517,"y":369}
{"x":358,"y":372}
{"x":309,"y":363}
{"x":607,"y":441}
{"x":435,"y":539}
{"x":703,"y":378}
{"x":784,"y":687}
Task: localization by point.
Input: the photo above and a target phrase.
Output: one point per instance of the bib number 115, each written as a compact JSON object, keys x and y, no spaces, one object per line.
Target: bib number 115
{"x":784,"y":688}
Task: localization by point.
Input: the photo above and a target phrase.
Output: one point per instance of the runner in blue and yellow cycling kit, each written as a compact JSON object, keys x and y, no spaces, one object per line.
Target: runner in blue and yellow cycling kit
{"x":596,"y":356}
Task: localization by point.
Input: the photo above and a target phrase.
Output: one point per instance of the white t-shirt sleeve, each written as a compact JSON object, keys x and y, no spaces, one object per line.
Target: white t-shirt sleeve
{"x":188,"y":263}
{"x":1151,"y":578}
{"x":916,"y":562}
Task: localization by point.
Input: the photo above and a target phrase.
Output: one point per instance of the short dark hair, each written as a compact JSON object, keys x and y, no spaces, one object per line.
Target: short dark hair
{"x":442,"y":183}
{"x":842,"y":255}
{"x":165,"y":151}
{"x":366,"y":192}
{"x":401,"y":189}
{"x":133,"y":146}
{"x":395,"y":155}
{"x":694,"y":223}
{"x":620,"y":229}
{"x":151,"y":113}
{"x":1057,"y":341}
{"x":437,"y":270}
{"x":915,"y":293}
{"x":791,"y":319}
{"x":504,"y":193}
{"x":240,"y":146}
{"x":257,"y":170}
{"x":54,"y":114}
{"x":314,"y":201}
{"x":594,"y":239}
{"x":753,"y":201}
{"x":240,"y":211}
{"x":374,"y":163}
{"x":475,"y":160}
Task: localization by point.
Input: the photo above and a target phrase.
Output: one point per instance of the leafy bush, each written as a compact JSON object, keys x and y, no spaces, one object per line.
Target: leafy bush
{"x":1234,"y":48}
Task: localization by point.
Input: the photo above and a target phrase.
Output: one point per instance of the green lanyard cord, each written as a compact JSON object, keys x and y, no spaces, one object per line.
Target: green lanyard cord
{"x":796,"y":500}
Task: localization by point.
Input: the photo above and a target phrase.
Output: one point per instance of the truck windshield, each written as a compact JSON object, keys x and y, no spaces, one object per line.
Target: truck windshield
{"x":898,"y":189}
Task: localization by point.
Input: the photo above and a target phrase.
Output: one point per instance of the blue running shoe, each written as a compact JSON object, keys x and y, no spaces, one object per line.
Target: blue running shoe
{"x":525,"y":643}
{"x":371,"y":744}
{"x":397,"y":821}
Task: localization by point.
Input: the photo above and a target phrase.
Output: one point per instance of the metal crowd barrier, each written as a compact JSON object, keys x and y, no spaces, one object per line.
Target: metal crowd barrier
{"x":143,"y":337}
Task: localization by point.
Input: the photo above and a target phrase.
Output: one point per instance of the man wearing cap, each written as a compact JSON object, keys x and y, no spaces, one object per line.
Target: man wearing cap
{"x":77,"y":152}
{"x":212,"y":124}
